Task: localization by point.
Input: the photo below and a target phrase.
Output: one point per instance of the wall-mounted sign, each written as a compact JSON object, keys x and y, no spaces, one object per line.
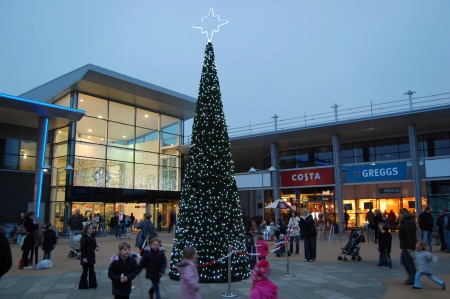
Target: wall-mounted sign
{"x":307,"y":177}
{"x":378,"y":172}
{"x":389,"y":190}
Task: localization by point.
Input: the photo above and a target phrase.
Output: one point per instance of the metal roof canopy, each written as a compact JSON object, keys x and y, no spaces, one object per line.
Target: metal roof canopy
{"x":26,"y":112}
{"x":96,"y":81}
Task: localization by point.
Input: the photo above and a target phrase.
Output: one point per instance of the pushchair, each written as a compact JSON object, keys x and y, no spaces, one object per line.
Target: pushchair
{"x":353,"y":246}
{"x":280,"y":244}
{"x":75,"y":246}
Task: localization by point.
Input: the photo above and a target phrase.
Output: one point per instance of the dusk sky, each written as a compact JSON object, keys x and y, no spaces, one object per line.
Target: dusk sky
{"x":288,"y":58}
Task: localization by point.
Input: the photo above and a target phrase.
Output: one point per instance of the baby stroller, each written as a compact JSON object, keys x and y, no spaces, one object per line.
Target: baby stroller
{"x":280,"y":244}
{"x":353,"y":246}
{"x":75,"y":238}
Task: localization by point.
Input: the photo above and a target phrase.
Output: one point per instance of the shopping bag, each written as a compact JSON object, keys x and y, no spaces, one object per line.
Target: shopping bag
{"x":44,"y":264}
{"x":20,"y":239}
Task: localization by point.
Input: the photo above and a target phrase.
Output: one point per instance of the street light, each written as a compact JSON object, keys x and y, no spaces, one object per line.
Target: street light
{"x":262,"y":172}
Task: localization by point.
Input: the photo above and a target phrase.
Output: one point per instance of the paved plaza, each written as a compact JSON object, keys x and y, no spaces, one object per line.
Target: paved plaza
{"x":325,"y":278}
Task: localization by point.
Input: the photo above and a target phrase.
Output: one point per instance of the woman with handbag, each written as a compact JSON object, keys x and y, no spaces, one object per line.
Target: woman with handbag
{"x":28,"y":243}
{"x":147,"y":230}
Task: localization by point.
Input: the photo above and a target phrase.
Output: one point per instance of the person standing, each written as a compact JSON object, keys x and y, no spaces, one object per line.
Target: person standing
{"x":377,"y":219}
{"x":155,"y":263}
{"x":28,"y":243}
{"x":5,"y":253}
{"x":189,"y":285}
{"x":122,"y":271}
{"x":423,"y":259}
{"x":75,"y":222}
{"x":37,"y":240}
{"x":294,"y":233}
{"x":408,"y":240}
{"x":391,"y":219}
{"x":426,"y":226}
{"x":147,"y":230}
{"x":160,"y":217}
{"x":309,"y":233}
{"x":88,"y":247}
{"x":262,"y":248}
{"x":346,"y":219}
{"x":385,"y":245}
{"x":447,"y":230}
{"x":172,"y":220}
{"x":101,"y":225}
{"x":440,"y":225}
{"x":49,"y":242}
{"x":133,"y":220}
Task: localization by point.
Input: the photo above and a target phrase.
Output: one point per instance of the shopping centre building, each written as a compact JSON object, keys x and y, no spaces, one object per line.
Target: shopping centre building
{"x":126,"y":149}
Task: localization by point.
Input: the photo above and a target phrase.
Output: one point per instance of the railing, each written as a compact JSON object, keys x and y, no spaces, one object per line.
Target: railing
{"x":336,"y":115}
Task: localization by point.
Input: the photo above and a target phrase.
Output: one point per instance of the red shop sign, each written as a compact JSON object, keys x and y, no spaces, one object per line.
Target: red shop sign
{"x":307,"y":177}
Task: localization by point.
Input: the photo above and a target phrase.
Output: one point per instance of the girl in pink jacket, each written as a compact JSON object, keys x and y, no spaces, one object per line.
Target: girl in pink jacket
{"x":262,"y":287}
{"x":262,"y":247}
{"x":189,"y":285}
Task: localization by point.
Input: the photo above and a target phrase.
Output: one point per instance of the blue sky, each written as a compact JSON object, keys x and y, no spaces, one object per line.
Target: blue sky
{"x":286,"y":57}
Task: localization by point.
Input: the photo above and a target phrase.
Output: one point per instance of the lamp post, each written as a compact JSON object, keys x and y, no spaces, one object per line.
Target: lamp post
{"x":262,"y":172}
{"x":47,"y":168}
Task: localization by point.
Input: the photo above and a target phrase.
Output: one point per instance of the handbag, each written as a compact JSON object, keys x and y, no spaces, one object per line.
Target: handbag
{"x":22,"y":230}
{"x":20,"y":239}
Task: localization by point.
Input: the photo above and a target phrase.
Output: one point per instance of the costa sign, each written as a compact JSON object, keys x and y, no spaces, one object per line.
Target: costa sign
{"x":307,"y":177}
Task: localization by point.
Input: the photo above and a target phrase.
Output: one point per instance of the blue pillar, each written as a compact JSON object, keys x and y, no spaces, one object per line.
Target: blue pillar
{"x":40,"y":160}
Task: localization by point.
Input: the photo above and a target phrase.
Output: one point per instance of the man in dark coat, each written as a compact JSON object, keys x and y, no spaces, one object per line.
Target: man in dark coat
{"x":5,"y":253}
{"x":75,"y":221}
{"x":440,"y":225}
{"x":426,"y":226}
{"x":408,"y":240}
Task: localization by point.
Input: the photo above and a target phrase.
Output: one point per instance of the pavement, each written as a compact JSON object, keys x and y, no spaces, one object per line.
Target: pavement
{"x":327,"y":277}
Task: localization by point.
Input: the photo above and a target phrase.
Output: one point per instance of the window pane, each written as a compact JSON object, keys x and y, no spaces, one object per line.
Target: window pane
{"x":89,"y":172}
{"x":146,"y":157}
{"x":146,"y":177}
{"x":60,"y":150}
{"x":170,"y":125}
{"x":323,"y":156}
{"x":90,"y":150}
{"x":147,"y":140}
{"x":28,"y":163}
{"x":92,"y":130}
{"x":93,"y":106}
{"x":61,"y":135}
{"x":121,"y":113}
{"x":119,"y":175}
{"x":169,"y":139}
{"x":168,"y":173}
{"x":120,"y":154}
{"x":147,"y":119}
{"x":65,"y":101}
{"x":120,"y":135}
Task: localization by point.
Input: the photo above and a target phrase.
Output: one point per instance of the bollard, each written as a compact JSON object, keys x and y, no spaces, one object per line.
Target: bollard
{"x":229,"y":294}
{"x":286,"y":243}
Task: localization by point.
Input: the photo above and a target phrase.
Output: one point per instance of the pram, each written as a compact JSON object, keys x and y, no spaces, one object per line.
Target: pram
{"x":75,"y":238}
{"x":353,"y":246}
{"x":280,"y":244}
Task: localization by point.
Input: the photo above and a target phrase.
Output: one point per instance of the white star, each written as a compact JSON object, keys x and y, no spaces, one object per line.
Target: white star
{"x":208,"y":26}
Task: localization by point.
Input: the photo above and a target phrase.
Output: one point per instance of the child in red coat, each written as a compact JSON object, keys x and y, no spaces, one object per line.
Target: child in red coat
{"x":262,"y":248}
{"x":262,"y":287}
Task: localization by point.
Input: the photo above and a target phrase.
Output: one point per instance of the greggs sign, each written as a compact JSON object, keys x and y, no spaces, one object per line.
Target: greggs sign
{"x":307,"y":177}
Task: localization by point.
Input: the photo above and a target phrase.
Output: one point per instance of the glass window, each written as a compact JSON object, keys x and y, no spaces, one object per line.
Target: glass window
{"x":121,"y":113}
{"x":168,"y":175}
{"x":91,"y":130}
{"x":364,"y":152}
{"x":147,"y":140}
{"x":323,"y":156}
{"x":169,"y":139}
{"x":60,"y":150}
{"x":303,"y":158}
{"x":84,"y":149}
{"x":287,"y":159}
{"x":93,"y":106}
{"x":146,"y":157}
{"x":90,"y":172}
{"x":120,"y":154}
{"x":65,"y":101}
{"x":146,"y":177}
{"x":119,"y":175}
{"x":147,"y":119}
{"x":61,"y":135}
{"x":27,"y":163}
{"x":120,"y":135}
{"x":170,"y":125}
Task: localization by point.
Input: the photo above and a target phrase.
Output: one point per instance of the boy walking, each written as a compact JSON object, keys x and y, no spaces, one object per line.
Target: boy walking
{"x":384,"y":245}
{"x":423,"y":260}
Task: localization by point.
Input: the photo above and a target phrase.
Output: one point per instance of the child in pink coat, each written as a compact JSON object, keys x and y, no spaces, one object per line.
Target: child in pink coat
{"x":262,"y":287}
{"x":262,"y":248}
{"x":189,"y":285}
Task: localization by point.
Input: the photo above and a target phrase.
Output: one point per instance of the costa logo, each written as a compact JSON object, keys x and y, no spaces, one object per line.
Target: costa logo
{"x":307,"y":177}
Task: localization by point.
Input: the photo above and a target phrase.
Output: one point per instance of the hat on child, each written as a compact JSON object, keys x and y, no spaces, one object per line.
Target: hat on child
{"x":261,"y":271}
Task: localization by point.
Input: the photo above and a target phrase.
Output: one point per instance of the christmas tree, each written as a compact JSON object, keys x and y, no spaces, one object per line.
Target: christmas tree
{"x":210,"y":215}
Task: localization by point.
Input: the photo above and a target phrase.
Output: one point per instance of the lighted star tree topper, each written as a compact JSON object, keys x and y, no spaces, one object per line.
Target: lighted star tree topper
{"x":210,"y":24}
{"x":210,"y":215}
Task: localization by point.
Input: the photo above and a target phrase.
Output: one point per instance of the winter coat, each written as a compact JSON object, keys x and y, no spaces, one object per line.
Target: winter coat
{"x":87,"y":249}
{"x":385,"y":241}
{"x":5,"y":253}
{"x":189,"y":285}
{"x":154,"y":262}
{"x":75,"y":222}
{"x":49,"y":240}
{"x":426,"y":222}
{"x":308,"y":226}
{"x":147,"y":230}
{"x":264,"y":289}
{"x":37,"y":237}
{"x":262,"y":248}
{"x":129,"y":268}
{"x":28,"y":242}
{"x":407,"y":233}
{"x":294,"y":226}
{"x":423,"y":261}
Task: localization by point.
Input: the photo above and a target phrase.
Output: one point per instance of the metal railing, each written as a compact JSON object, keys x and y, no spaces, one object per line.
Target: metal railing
{"x":339,"y":115}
